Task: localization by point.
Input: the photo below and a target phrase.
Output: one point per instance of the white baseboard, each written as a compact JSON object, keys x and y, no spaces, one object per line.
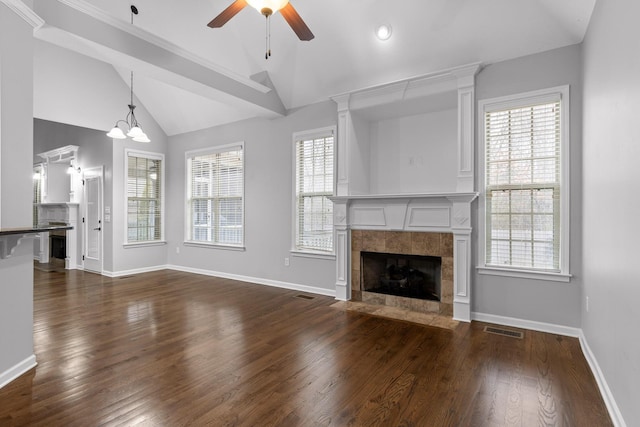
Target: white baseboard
{"x":527,"y":324}
{"x":134,"y":271}
{"x":605,"y":391}
{"x":257,"y":280}
{"x":250,"y":279}
{"x":14,"y":372}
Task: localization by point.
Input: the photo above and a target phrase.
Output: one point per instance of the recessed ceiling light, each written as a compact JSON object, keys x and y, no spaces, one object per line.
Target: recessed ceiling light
{"x":383,"y":32}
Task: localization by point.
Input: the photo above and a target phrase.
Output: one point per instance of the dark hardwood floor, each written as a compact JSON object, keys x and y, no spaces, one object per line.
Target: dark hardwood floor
{"x":175,"y":349}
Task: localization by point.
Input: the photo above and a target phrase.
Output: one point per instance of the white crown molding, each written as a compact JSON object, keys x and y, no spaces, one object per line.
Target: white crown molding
{"x":24,"y":12}
{"x":96,"y":13}
{"x":424,"y":85}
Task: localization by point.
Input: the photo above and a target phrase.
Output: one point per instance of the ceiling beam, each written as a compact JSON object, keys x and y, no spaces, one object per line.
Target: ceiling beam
{"x":79,"y":26}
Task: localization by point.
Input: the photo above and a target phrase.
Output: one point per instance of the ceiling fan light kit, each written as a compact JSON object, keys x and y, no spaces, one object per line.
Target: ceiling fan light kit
{"x":266,"y":8}
{"x":383,"y":32}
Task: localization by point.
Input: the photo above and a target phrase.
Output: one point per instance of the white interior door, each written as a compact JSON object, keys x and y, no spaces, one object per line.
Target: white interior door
{"x":93,"y":226}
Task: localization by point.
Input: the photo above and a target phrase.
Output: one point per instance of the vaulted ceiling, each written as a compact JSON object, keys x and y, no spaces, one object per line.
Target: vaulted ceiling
{"x":428,"y":35}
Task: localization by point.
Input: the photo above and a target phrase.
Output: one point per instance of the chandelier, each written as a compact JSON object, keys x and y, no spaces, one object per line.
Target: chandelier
{"x":133,"y":129}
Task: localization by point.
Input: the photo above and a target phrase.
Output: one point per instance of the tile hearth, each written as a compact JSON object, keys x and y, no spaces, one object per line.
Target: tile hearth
{"x":396,"y":313}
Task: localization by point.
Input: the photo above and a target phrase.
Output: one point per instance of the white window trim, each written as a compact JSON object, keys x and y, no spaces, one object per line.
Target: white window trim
{"x":153,"y":156}
{"x":187,"y":180}
{"x":313,"y":254}
{"x":512,"y":101}
{"x":298,"y":136}
{"x":196,"y":244}
{"x":144,"y":244}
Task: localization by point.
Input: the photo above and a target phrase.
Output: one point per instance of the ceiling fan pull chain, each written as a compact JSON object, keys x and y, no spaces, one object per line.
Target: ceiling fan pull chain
{"x":269,"y":24}
{"x":266,"y":37}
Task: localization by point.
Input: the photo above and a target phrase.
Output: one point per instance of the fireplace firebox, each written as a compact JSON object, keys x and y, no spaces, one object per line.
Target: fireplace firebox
{"x":410,"y":276}
{"x":58,"y":246}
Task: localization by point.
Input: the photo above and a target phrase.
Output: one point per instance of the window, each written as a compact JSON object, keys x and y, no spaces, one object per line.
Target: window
{"x":215,"y":196}
{"x":145,"y":206}
{"x":314,"y":183}
{"x":525,"y":182}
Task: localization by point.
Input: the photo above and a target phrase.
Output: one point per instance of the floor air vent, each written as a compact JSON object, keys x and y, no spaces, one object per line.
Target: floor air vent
{"x":304,"y":296}
{"x":503,"y":332}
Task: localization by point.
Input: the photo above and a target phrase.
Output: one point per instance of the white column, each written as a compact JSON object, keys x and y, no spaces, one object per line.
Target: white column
{"x":465,"y":160}
{"x":343,"y":250}
{"x":340,"y":220}
{"x":462,"y":276}
{"x":461,"y":228}
{"x":461,"y":213}
{"x":342,"y":151}
{"x":71,"y":261}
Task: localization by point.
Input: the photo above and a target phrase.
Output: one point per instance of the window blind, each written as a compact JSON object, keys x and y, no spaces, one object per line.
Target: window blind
{"x":523,"y":186}
{"x":215,"y":197}
{"x":144,"y":198}
{"x":314,"y":183}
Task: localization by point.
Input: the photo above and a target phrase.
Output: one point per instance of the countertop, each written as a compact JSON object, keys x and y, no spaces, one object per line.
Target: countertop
{"x":33,"y":230}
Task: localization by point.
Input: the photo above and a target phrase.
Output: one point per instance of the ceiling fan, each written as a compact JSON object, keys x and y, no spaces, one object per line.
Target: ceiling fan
{"x":266,"y":8}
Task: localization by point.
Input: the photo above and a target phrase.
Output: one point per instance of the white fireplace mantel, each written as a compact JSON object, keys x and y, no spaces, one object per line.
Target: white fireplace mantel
{"x":60,"y":213}
{"x":434,"y":212}
{"x":355,"y":207}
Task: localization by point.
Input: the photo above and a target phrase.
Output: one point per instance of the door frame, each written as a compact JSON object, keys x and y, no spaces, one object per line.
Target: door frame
{"x":92,"y":172}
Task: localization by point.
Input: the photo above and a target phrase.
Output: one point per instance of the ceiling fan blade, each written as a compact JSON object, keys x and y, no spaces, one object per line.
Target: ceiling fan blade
{"x":227,"y":14}
{"x":296,"y":23}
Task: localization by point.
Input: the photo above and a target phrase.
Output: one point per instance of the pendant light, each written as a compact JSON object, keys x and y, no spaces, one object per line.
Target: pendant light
{"x":134,"y":131}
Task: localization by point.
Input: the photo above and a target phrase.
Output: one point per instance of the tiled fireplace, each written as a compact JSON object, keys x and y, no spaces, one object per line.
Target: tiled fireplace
{"x":403,"y":246}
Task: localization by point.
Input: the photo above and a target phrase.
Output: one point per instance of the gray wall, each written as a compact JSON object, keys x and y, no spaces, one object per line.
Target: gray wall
{"x":74,"y":90}
{"x":16,"y":128}
{"x":611,"y":207}
{"x":132,"y":259}
{"x":94,"y":151}
{"x":268,"y":200}
{"x":536,"y":300}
